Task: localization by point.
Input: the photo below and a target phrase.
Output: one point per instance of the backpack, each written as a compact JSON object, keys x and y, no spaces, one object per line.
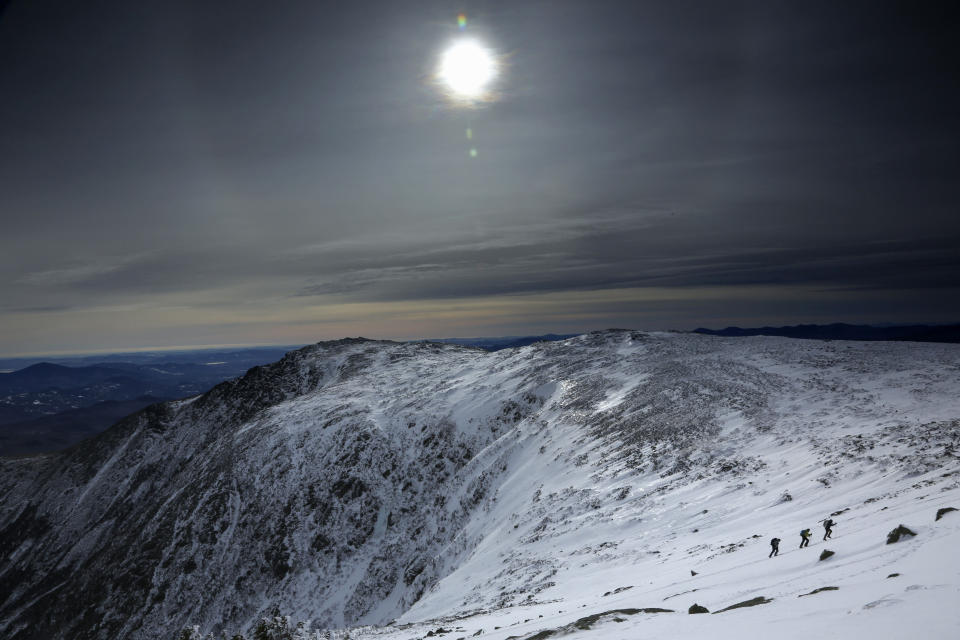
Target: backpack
{"x":805,"y":533}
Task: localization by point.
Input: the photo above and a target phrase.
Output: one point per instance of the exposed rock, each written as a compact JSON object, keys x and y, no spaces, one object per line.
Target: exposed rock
{"x":826,"y":553}
{"x":747,"y":603}
{"x":818,"y":591}
{"x":944,"y":511}
{"x":894,"y":536}
{"x":585,"y":623}
{"x":893,"y":575}
{"x":695,"y":608}
{"x":655,"y":610}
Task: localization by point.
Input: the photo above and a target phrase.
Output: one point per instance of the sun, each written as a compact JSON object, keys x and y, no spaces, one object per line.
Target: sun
{"x":467,"y":68}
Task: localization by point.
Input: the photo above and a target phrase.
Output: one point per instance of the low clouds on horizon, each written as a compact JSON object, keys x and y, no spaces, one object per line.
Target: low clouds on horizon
{"x":182,"y":177}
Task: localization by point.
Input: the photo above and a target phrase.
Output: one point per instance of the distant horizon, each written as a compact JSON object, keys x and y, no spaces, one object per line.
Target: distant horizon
{"x":293,"y":345}
{"x":140,"y":350}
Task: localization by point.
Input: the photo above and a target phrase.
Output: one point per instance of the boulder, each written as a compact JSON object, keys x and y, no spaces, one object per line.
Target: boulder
{"x":896,"y":534}
{"x":944,"y":511}
{"x":826,"y":553}
{"x":695,"y":608}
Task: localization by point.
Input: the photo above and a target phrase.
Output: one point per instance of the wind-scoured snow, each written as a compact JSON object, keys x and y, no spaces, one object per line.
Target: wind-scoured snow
{"x":559,"y":489}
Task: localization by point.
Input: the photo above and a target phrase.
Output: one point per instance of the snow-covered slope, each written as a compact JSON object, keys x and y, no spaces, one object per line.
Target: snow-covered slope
{"x":437,"y":487}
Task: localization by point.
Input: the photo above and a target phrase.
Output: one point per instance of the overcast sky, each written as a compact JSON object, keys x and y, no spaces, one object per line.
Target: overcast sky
{"x":237,"y":172}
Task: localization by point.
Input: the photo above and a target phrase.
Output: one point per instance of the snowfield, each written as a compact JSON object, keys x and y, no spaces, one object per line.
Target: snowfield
{"x":592,"y":488}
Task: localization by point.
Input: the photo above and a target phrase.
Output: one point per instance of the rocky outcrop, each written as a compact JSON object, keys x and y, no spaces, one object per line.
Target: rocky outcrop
{"x":899,"y":532}
{"x":753,"y":602}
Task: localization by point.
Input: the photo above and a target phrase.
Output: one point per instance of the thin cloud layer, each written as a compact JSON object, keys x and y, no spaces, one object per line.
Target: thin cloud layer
{"x":251,"y":175}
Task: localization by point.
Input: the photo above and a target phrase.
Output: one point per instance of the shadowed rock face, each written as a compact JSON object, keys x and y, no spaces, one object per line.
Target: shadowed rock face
{"x":203,"y":506}
{"x":338,"y":481}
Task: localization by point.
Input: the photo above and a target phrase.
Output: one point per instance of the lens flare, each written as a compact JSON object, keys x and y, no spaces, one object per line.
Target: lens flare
{"x":462,"y":21}
{"x":467,"y":68}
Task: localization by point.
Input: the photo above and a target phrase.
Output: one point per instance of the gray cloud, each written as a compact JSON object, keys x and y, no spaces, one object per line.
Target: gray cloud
{"x":205,"y":158}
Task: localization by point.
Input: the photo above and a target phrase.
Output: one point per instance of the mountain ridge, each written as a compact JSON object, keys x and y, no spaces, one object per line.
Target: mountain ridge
{"x":358,"y":481}
{"x":841,"y":331}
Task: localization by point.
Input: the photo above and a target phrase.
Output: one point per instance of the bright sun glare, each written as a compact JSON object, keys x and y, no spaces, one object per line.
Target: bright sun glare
{"x":467,"y":68}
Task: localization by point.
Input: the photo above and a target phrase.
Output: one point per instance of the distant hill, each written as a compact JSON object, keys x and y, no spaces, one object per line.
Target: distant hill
{"x":46,"y":375}
{"x":840,"y":331}
{"x":48,"y":405}
{"x":237,"y":359}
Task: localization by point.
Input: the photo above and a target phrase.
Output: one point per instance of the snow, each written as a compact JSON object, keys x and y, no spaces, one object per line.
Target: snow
{"x":652,"y":545}
{"x":527,"y":489}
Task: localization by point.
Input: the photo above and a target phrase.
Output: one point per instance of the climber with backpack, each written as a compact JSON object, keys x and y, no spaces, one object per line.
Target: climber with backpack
{"x":774,"y":547}
{"x":828,"y":528}
{"x":805,"y":538}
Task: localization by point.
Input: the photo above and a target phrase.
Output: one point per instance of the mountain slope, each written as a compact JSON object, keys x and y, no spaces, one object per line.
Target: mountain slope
{"x":357,"y":481}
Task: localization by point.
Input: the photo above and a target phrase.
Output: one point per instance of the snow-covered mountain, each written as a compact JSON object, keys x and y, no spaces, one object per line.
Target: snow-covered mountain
{"x":414,"y":489}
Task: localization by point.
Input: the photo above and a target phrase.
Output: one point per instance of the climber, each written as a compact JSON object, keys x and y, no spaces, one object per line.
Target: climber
{"x":774,"y":547}
{"x":805,"y":538}
{"x":828,"y":528}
